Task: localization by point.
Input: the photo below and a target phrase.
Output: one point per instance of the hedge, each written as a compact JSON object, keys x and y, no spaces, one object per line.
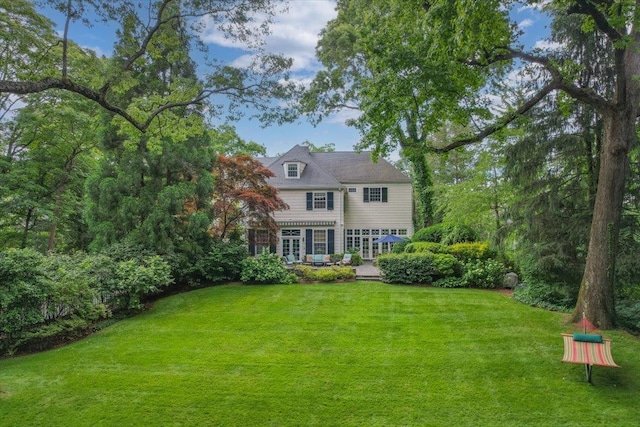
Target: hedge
{"x":419,"y":268}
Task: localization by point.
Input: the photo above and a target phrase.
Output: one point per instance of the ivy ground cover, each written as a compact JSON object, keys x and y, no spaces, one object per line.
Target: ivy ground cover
{"x":350,"y":354}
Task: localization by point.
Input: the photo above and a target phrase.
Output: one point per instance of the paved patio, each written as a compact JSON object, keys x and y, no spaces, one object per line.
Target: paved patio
{"x":367,"y":271}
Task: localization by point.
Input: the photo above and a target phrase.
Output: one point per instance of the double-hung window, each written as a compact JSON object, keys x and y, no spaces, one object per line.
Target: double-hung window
{"x":375,"y":194}
{"x":322,"y":200}
{"x":319,"y":200}
{"x":292,"y":170}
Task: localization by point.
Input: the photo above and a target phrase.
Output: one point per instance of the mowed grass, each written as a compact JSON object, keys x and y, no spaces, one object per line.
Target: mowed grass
{"x":355,"y":354}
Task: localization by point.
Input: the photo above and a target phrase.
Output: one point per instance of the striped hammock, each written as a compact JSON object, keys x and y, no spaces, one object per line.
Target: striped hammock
{"x":588,"y":353}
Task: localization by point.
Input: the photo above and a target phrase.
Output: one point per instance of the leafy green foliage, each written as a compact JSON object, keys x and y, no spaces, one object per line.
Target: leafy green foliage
{"x":416,"y":268}
{"x":24,"y":289}
{"x":56,"y":297}
{"x":356,"y":258}
{"x":436,"y":248}
{"x":629,"y":315}
{"x":546,"y":283}
{"x":545,"y":295}
{"x":222,"y":263}
{"x":324,"y":274}
{"x":446,"y":265}
{"x":486,"y":273}
{"x":139,"y":279}
{"x":51,"y":334}
{"x":399,"y":247}
{"x":267,"y":268}
{"x":450,"y":282}
{"x":445,"y":233}
{"x":471,"y":251}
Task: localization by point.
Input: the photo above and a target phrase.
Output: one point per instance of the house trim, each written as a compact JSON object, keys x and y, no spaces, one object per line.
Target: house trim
{"x":305,"y":223}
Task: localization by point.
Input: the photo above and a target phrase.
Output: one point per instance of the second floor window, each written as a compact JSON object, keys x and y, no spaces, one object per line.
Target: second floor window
{"x":319,"y":200}
{"x":375,"y":194}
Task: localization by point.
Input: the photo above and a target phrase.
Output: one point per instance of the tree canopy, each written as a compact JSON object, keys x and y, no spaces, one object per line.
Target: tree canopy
{"x":37,"y":60}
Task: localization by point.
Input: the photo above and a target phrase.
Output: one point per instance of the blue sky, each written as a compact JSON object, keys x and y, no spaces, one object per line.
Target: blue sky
{"x":294,"y":33}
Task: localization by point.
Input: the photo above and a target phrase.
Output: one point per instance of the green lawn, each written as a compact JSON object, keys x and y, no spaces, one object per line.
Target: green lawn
{"x":355,"y":354}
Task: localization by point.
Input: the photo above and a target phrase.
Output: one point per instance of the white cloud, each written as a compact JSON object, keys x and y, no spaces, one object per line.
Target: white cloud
{"x":294,"y":33}
{"x":539,"y":6}
{"x":526,"y":23}
{"x":547,"y":45}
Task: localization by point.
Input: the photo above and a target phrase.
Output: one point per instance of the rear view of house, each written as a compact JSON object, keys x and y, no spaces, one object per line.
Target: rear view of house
{"x":338,"y":201}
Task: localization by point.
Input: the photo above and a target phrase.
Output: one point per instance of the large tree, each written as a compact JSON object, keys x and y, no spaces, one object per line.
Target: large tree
{"x":458,"y":52}
{"x":37,"y":64}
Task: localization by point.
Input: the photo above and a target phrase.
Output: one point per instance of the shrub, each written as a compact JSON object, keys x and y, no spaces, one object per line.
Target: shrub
{"x":445,"y":233}
{"x":328,"y":274}
{"x":324,"y":275}
{"x":344,"y":273}
{"x":407,"y":268}
{"x":223,"y":262}
{"x":46,"y":336}
{"x":73,"y":290}
{"x":470,"y":251}
{"x":483,"y":273}
{"x":436,"y":248}
{"x":24,"y":288}
{"x":446,"y":265}
{"x":356,"y":258}
{"x":138,"y":279}
{"x":629,"y":315}
{"x":399,"y":247}
{"x":266,"y":269}
{"x":450,"y":282}
{"x":544,"y":295}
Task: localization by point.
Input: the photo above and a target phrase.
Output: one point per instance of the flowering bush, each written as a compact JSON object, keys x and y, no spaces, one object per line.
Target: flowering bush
{"x":483,"y":273}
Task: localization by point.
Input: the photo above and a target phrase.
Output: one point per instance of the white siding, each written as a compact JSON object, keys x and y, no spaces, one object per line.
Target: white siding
{"x":397,"y":212}
{"x":297,"y":201}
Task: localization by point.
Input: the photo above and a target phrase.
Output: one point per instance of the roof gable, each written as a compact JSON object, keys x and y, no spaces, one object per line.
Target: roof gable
{"x":331,"y":169}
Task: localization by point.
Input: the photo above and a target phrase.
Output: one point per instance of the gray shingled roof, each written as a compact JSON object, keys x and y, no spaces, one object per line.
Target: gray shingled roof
{"x":349,"y":167}
{"x":332,"y":169}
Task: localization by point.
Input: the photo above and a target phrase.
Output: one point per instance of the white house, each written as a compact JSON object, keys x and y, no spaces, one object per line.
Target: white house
{"x":337,"y":201}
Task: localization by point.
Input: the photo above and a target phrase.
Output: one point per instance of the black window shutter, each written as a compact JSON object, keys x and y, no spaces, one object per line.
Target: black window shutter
{"x":252,"y":242}
{"x":384,"y":194}
{"x":330,"y":200}
{"x":309,"y":242}
{"x":331,"y":241}
{"x":272,"y":249}
{"x":365,"y":193}
{"x":309,"y":201}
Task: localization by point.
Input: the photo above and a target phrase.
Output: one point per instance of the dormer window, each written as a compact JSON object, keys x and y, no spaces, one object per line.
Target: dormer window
{"x":293,"y":170}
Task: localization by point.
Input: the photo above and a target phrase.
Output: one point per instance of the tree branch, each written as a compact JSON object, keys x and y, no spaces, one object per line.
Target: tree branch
{"x":586,"y":7}
{"x":501,"y":123}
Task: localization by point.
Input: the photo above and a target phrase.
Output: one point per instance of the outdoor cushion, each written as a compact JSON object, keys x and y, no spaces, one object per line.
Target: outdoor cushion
{"x":587,"y":337}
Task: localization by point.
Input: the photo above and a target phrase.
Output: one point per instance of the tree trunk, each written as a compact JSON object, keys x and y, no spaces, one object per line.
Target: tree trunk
{"x":596,"y":296}
{"x":53,"y":229}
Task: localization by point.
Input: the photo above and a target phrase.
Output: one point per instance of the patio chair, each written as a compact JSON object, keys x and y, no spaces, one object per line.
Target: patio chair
{"x":291,"y":260}
{"x":346,"y":260}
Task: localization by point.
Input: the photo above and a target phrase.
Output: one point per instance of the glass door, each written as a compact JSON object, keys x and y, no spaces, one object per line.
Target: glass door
{"x":291,"y":240}
{"x":366,"y":248}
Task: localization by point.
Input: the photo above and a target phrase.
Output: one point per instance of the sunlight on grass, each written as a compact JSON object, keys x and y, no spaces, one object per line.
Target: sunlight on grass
{"x":337,"y":354}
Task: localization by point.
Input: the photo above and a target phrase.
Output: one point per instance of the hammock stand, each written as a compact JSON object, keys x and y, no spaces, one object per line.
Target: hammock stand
{"x":587,"y":348}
